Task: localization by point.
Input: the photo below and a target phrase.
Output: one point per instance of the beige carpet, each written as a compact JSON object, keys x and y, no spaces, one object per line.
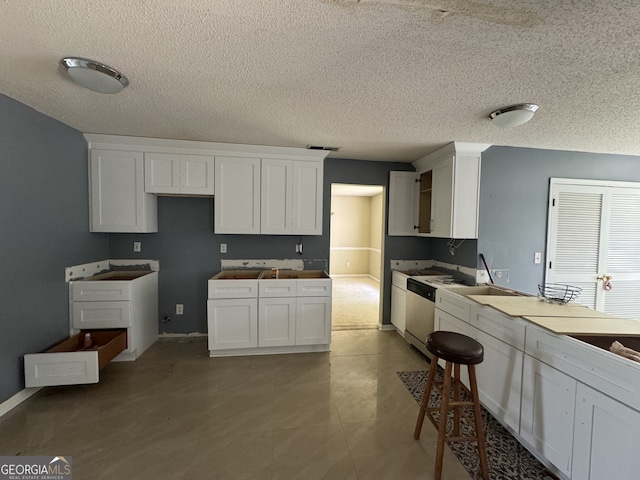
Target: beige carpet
{"x":355,"y":303}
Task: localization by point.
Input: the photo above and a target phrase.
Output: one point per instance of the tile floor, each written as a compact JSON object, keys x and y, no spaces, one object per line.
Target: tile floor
{"x":175,"y":413}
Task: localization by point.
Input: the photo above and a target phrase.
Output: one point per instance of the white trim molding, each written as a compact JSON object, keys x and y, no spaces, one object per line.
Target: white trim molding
{"x":17,"y":399}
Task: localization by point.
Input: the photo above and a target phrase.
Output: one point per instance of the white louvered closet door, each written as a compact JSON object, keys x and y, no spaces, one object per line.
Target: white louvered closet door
{"x":594,"y":231}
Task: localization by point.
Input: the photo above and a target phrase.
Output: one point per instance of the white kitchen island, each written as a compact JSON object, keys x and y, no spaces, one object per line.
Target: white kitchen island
{"x":571,"y":402}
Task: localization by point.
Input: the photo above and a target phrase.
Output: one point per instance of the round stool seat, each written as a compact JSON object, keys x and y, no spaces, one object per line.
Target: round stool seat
{"x":455,"y":347}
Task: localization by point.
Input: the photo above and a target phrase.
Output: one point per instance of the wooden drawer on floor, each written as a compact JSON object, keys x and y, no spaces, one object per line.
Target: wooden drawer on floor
{"x":69,"y":364}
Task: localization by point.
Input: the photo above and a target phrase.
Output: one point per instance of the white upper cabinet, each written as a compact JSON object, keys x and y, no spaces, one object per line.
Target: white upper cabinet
{"x":276,"y":207}
{"x":403,"y":203}
{"x":258,"y":189}
{"x":237,"y":203}
{"x":307,"y":198}
{"x":443,"y":199}
{"x":173,"y":174}
{"x":272,"y":196}
{"x":118,"y":202}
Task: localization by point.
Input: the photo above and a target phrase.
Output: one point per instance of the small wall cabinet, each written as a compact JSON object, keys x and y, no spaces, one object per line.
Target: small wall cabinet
{"x":173,"y":174}
{"x":441,"y":199}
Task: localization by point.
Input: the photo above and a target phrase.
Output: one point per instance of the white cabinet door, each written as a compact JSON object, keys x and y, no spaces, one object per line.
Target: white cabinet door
{"x":172,"y":174}
{"x":607,"y":435}
{"x":276,"y":196}
{"x":276,"y":322}
{"x":403,"y":203}
{"x":197,"y":175}
{"x":237,"y":202}
{"x":548,"y":407}
{"x":500,"y":378}
{"x":232,"y":323}
{"x":161,"y":173}
{"x":313,"y":320}
{"x":118,"y":202}
{"x":442,"y":200}
{"x":307,"y":198}
{"x":398,"y":308}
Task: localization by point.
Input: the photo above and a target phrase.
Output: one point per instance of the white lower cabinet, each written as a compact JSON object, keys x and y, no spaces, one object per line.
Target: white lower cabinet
{"x":499,"y":378}
{"x":449,"y":323}
{"x":254,"y":317}
{"x":233,"y":323}
{"x":276,"y":322}
{"x":548,"y":408}
{"x":606,"y":437}
{"x":313,"y":320}
{"x":399,"y":309}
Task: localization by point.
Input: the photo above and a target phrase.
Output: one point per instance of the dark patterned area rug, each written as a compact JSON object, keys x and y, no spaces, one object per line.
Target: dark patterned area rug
{"x":507,"y":458}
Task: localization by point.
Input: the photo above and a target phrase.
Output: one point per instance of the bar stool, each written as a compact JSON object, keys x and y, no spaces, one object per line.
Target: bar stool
{"x":456,"y":349}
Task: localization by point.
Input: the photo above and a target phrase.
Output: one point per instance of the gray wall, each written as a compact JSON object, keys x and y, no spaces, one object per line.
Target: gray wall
{"x":44,"y":223}
{"x":189,"y":252}
{"x":514,"y":193}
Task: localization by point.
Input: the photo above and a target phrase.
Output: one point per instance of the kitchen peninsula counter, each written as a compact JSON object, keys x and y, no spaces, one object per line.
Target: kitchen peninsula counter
{"x":548,"y":376}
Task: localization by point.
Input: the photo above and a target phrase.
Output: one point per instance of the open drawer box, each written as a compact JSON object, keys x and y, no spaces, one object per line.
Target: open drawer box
{"x":68,"y":363}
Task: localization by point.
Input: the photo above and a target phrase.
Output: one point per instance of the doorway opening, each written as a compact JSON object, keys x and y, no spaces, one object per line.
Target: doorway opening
{"x":355,"y":260}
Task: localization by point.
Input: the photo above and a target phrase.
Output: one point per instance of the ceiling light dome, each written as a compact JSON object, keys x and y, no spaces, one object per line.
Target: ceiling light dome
{"x":94,"y":75}
{"x":513,"y":115}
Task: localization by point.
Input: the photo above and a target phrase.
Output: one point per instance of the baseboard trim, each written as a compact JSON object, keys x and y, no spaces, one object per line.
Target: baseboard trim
{"x":178,"y":335}
{"x":387,"y":326}
{"x":17,"y":399}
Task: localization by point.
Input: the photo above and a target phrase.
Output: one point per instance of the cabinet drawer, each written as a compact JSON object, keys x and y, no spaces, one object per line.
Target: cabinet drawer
{"x":100,"y":291}
{"x":313,"y":288}
{"x":507,"y":329}
{"x":68,"y":364}
{"x":233,"y":289}
{"x":277,"y":288}
{"x":101,"y":314}
{"x":604,"y":371}
{"x":453,"y":304}
{"x":399,"y":280}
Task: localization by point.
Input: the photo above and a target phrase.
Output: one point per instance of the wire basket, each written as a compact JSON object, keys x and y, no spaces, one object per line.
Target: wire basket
{"x":558,"y":292}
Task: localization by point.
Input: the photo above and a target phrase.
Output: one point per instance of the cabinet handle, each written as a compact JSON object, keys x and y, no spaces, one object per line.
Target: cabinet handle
{"x":415,"y":227}
{"x":604,"y":278}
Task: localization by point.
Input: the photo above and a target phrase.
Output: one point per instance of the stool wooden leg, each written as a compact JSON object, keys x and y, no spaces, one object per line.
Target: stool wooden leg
{"x":425,"y":397}
{"x":442,"y":430}
{"x":482,"y":453}
{"x":456,"y":398}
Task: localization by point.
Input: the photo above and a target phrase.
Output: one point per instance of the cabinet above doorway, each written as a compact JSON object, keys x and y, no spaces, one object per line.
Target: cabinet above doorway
{"x":440,"y":199}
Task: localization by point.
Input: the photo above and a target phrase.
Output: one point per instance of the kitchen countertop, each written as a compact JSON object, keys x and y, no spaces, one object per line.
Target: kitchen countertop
{"x":564,"y":319}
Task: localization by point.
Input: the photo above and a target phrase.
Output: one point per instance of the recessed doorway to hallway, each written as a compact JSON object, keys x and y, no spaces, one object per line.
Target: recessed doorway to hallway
{"x":355,"y":261}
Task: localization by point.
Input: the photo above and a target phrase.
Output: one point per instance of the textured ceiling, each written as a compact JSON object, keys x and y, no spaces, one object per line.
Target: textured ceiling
{"x":381,"y":79}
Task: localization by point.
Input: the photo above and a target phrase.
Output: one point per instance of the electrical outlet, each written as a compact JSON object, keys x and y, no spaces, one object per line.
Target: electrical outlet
{"x":179,"y":309}
{"x":348,"y":264}
{"x":137,"y":246}
{"x":500,"y":274}
{"x":223,"y":248}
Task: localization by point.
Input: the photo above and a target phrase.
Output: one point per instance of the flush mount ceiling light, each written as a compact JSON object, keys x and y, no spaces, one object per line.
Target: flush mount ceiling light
{"x":94,"y":75}
{"x":514,"y":115}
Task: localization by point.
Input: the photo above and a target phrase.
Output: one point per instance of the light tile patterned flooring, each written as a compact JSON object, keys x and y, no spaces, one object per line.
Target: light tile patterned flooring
{"x":175,"y":413}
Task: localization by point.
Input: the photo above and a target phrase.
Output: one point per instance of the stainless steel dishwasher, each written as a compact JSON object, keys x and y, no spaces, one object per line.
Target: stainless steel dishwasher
{"x":421,"y":306}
